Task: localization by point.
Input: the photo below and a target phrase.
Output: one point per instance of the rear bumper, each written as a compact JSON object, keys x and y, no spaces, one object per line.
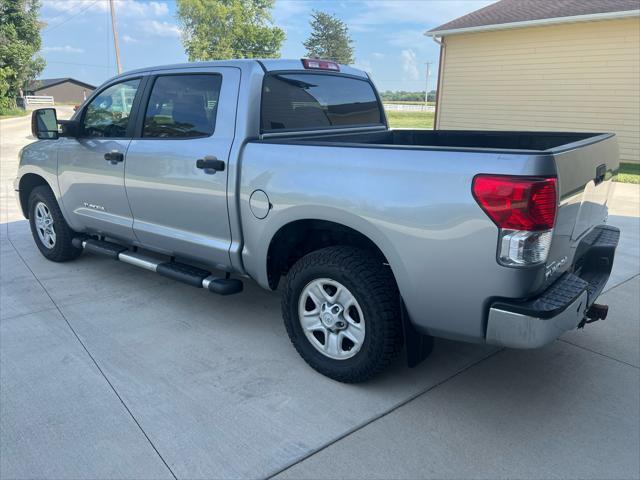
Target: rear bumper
{"x":535,"y":322}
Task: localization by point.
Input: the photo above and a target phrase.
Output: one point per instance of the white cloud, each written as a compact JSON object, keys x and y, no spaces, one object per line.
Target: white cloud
{"x":160,"y":29}
{"x":292,"y":14}
{"x":142,"y":9}
{"x":75,"y":5}
{"x":124,"y":8}
{"x":129,"y":39}
{"x":410,"y":64}
{"x":431,"y":13}
{"x":64,"y":49}
{"x":159,"y":8}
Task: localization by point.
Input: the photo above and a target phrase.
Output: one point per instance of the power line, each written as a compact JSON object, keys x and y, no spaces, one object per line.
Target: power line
{"x":48,"y":29}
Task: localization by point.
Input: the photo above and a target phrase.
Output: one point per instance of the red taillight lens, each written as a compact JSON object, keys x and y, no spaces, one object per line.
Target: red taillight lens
{"x":314,"y":64}
{"x":517,"y":203}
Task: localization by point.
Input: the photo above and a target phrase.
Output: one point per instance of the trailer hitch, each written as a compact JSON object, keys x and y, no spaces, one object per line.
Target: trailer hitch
{"x":594,"y":313}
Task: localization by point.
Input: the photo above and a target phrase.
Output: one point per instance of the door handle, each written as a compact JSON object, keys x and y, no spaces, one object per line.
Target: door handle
{"x":114,"y":157}
{"x":210,"y":163}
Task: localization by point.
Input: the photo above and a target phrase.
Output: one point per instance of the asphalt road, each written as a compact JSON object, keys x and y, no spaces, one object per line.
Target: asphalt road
{"x":108,"y":371}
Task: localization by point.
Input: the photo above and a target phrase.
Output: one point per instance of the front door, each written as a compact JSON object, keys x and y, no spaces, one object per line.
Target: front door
{"x":176,"y":175}
{"x":91,"y":167}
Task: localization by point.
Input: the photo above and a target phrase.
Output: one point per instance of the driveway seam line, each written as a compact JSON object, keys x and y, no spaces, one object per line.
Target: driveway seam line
{"x":381,"y":415}
{"x":620,"y":284}
{"x":93,"y":360}
{"x":599,"y":353}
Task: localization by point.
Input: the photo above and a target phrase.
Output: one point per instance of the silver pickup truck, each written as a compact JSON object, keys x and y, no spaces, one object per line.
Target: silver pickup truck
{"x":286,"y":172}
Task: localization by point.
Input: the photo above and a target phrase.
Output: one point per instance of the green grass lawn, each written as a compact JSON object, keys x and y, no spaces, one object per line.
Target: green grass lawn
{"x":410,"y":119}
{"x":629,"y":173}
{"x":12,"y":112}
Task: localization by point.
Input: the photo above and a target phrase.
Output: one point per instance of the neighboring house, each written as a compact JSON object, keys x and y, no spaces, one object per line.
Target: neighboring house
{"x":543,"y":65}
{"x":63,"y":90}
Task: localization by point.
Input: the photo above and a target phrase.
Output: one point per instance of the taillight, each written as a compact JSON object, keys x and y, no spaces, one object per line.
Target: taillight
{"x":314,"y":64}
{"x":524,"y":208}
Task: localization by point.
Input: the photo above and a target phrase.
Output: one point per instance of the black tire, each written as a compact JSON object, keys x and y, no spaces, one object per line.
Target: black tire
{"x":373,"y":286}
{"x":62,"y":250}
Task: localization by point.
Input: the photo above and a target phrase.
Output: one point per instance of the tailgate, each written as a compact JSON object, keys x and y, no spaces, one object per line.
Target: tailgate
{"x":585,"y":170}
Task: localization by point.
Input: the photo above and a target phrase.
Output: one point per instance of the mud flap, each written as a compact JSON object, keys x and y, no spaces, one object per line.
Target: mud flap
{"x":417,"y":345}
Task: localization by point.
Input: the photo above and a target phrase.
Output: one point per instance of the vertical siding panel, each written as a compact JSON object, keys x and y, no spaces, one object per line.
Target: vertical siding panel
{"x":579,"y":76}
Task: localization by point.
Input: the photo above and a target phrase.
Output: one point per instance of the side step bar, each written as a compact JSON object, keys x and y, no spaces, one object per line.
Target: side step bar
{"x":194,"y":276}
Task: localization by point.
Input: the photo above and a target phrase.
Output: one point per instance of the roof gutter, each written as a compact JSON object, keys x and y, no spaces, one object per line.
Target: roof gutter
{"x":439,"y":83}
{"x":536,"y":23}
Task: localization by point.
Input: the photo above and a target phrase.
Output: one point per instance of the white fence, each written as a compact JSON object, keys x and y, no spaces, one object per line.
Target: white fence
{"x":36,"y":101}
{"x":409,"y":107}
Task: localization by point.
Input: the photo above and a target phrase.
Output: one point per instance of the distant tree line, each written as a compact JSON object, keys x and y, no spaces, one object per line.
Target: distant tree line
{"x":402,"y":96}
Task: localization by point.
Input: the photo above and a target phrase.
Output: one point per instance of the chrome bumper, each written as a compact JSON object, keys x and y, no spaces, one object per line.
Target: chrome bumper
{"x":563,"y":306}
{"x":515,"y":330}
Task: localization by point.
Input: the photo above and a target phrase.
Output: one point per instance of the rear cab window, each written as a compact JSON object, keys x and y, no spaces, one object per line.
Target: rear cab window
{"x":314,"y":101}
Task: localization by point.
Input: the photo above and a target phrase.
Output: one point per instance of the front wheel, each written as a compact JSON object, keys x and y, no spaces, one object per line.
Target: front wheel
{"x":341,"y":308}
{"x":49,"y":228}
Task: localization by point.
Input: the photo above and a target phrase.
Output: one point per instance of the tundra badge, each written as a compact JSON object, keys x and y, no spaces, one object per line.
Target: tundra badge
{"x":94,"y":206}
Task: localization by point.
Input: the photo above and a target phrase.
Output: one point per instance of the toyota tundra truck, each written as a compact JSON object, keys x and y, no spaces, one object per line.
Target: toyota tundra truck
{"x":286,"y":172}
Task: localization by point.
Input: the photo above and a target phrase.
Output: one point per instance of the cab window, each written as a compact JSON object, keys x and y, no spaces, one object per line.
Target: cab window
{"x":107,"y":115}
{"x":182,"y":106}
{"x":311,"y":101}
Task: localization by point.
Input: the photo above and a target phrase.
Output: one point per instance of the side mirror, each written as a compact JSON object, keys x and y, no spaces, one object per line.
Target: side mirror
{"x":44,"y":124}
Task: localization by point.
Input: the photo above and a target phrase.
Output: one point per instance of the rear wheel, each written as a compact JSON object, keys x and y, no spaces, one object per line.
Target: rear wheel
{"x":49,"y":228}
{"x":342,"y":312}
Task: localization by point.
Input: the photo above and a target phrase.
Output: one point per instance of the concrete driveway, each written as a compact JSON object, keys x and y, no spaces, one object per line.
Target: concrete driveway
{"x":108,"y":371}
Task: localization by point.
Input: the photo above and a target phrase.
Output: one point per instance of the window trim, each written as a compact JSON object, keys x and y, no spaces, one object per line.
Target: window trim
{"x":144,"y":102}
{"x":132,"y":114}
{"x":383,"y":116}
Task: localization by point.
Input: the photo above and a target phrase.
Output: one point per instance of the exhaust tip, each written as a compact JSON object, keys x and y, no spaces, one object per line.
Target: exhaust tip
{"x":597,"y":312}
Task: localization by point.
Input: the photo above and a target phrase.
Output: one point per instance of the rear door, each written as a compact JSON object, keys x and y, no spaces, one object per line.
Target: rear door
{"x":179,"y":205}
{"x":91,"y":167}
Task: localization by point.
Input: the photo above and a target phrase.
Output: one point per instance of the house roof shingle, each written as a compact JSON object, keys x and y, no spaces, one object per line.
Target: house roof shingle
{"x":515,"y":11}
{"x":48,"y":82}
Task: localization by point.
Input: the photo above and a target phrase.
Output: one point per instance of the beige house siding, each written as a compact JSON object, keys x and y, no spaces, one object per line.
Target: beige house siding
{"x":573,"y":77}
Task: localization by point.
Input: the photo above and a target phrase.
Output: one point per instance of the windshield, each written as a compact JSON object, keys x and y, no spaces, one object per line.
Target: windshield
{"x":304,"y":101}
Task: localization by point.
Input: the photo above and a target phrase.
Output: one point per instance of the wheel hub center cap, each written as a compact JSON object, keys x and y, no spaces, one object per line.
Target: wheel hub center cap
{"x":331,"y":316}
{"x":328,"y":320}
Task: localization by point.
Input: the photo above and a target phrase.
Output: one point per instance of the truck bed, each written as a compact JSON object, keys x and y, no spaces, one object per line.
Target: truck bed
{"x":413,"y":188}
{"x":456,"y":139}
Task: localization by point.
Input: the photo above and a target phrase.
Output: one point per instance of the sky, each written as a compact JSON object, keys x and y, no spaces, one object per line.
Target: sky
{"x":388,"y":36}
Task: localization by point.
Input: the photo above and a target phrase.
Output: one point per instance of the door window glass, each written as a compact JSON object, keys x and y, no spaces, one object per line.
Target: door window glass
{"x":182,"y":106}
{"x":108,"y":114}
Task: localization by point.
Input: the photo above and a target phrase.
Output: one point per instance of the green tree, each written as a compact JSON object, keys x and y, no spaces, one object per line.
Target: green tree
{"x":329,"y":38}
{"x":221,"y":29}
{"x":19,"y":42}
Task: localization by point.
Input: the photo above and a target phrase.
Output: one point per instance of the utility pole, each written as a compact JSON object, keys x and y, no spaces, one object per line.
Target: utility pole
{"x":115,"y":35}
{"x":426,"y":89}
